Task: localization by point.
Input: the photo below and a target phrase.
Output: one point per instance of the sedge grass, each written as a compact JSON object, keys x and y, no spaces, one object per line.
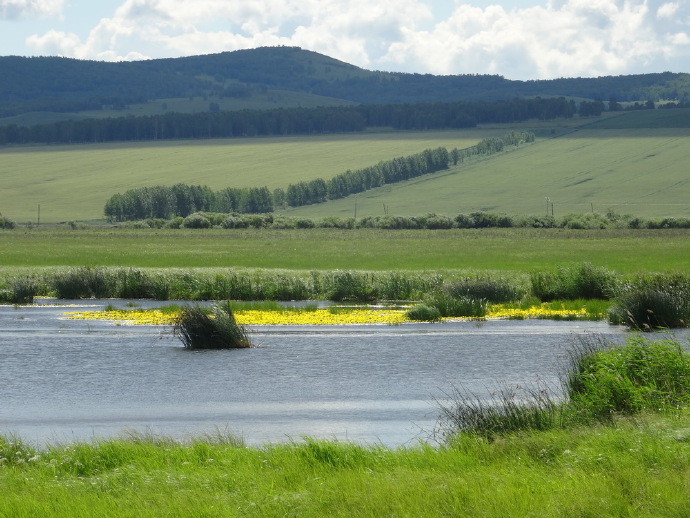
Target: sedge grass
{"x":636,"y":468}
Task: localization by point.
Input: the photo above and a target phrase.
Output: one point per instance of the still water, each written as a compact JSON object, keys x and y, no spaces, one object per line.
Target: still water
{"x":64,"y":380}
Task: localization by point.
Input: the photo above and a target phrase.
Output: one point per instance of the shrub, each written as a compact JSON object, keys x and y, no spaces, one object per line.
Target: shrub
{"x":424,"y":313}
{"x":234,"y":221}
{"x":6,"y":223}
{"x":175,"y":222}
{"x":197,"y":220}
{"x":304,"y":223}
{"x":585,"y":221}
{"x":219,"y":330}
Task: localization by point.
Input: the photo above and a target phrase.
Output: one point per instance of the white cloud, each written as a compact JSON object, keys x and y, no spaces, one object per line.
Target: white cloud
{"x":558,"y":38}
{"x":566,"y":38}
{"x":667,"y":10}
{"x":18,"y":9}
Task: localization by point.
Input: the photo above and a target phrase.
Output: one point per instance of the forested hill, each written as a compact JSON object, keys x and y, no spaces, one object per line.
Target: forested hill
{"x":68,"y":85}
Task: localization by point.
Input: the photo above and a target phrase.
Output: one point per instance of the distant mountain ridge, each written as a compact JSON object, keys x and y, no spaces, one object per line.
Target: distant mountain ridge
{"x":58,"y":84}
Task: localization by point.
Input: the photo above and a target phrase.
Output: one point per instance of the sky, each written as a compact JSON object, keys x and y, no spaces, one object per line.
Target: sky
{"x":518,"y":39}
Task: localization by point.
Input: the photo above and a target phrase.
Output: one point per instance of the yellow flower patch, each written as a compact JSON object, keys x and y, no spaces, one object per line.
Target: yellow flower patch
{"x":321,"y":317}
{"x":498,"y":311}
{"x":253,"y":317}
{"x":318,"y":317}
{"x":140,"y":317}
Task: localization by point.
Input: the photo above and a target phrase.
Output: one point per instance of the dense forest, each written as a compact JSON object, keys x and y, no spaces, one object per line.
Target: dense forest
{"x":70,"y":85}
{"x":296,"y":121}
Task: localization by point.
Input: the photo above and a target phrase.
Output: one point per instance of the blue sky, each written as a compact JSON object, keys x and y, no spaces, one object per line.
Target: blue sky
{"x":519,"y":39}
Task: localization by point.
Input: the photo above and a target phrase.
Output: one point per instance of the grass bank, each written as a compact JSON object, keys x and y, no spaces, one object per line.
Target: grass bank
{"x":636,"y":468}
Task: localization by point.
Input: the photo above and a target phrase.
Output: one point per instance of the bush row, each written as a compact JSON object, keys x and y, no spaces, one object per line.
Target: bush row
{"x":429,"y":221}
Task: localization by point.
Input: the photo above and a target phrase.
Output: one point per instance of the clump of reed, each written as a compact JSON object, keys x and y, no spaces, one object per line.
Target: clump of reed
{"x":653,"y":302}
{"x":463,"y":306}
{"x":494,"y":291}
{"x":21,"y":290}
{"x":601,"y":381}
{"x":341,"y":286}
{"x":467,"y":298}
{"x":199,"y":328}
{"x":505,"y":410}
{"x":83,"y":283}
{"x":583,"y":281}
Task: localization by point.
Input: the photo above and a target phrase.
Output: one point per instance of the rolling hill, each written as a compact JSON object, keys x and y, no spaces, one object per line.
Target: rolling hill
{"x":259,"y":77}
{"x":630,"y":163}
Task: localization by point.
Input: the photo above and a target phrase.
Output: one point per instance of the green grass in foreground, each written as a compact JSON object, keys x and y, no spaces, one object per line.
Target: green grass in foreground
{"x":636,"y":468}
{"x":525,"y":250}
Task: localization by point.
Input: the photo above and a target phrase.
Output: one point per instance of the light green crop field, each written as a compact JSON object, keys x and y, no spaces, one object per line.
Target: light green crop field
{"x":73,"y":183}
{"x":642,"y":172}
{"x":639,"y":171}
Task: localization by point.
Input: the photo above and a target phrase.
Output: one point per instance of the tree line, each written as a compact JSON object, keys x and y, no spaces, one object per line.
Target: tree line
{"x":290,"y":121}
{"x":181,"y":200}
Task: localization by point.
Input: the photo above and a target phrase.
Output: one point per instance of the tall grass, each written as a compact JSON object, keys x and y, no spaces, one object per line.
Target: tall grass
{"x":640,"y":375}
{"x":633,"y":469}
{"x":84,"y":282}
{"x":506,"y":410}
{"x":653,"y":302}
{"x":583,"y":281}
{"x":601,"y":381}
{"x":197,"y":329}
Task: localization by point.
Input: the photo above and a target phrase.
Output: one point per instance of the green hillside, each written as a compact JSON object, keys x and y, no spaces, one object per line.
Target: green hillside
{"x":640,"y":171}
{"x":74,"y":182}
{"x":605,"y":165}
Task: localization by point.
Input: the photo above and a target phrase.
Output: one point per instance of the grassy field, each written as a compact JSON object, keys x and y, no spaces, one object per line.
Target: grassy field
{"x":72,"y":183}
{"x":636,"y":468}
{"x":522,"y":250}
{"x":630,"y":171}
{"x":621,"y":163}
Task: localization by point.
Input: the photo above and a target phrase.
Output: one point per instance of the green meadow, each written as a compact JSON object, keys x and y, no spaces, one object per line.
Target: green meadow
{"x":514,"y":250}
{"x":640,"y":172}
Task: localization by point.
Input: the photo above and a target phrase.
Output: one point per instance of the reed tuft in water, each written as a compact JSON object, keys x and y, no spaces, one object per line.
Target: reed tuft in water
{"x":215,"y":329}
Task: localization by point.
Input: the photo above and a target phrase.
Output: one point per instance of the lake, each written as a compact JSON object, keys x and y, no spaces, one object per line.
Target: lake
{"x":66,"y":380}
